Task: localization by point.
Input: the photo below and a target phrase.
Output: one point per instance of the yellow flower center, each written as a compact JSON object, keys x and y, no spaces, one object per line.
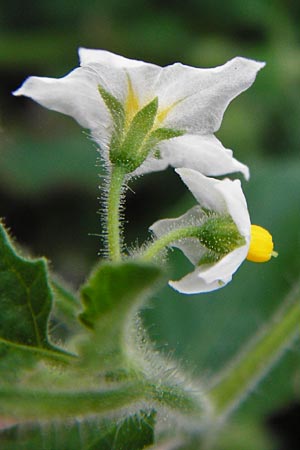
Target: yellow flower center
{"x":261,"y":247}
{"x":132,"y":106}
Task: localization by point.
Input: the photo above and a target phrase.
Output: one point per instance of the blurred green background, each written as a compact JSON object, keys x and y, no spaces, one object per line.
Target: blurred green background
{"x":49,"y":174}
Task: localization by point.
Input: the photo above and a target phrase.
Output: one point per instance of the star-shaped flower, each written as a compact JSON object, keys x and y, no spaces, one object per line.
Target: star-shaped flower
{"x":147,"y":116}
{"x":221,"y":236}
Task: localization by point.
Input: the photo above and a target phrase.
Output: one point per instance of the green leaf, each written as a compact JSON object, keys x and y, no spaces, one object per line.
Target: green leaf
{"x":26,"y":301}
{"x":134,"y":433}
{"x":111,"y":299}
{"x":116,"y":286}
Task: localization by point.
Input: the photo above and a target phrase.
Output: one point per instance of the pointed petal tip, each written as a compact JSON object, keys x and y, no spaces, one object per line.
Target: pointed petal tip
{"x":81,"y":53}
{"x":24,"y":89}
{"x":174,"y":285}
{"x":261,"y":64}
{"x":252,"y":64}
{"x":245,"y":171}
{"x":19,"y":91}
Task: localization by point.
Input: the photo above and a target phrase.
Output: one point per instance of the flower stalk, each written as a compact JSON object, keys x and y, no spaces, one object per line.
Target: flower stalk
{"x":216,"y":233}
{"x":114,"y":239}
{"x":160,"y":244}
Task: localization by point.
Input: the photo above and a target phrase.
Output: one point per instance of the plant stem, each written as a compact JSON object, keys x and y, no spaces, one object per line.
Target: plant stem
{"x":113,"y":213}
{"x":59,"y":404}
{"x":158,"y":245}
{"x":260,"y":355}
{"x":50,"y":404}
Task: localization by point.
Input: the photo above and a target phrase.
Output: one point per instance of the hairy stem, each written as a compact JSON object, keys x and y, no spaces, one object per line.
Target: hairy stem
{"x":50,"y":404}
{"x":158,"y":245}
{"x":113,"y":213}
{"x":233,"y":385}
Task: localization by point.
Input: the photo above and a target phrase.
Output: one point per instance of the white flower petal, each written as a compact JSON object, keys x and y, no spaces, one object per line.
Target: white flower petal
{"x":204,"y":189}
{"x":201,"y":96}
{"x":212,"y":277}
{"x":192,"y":283}
{"x":226,"y":267}
{"x":236,"y":205}
{"x":190,"y":99}
{"x":142,"y":75}
{"x":151,"y":164}
{"x":223,"y":196}
{"x":88,"y":55}
{"x":75,"y":95}
{"x":203,"y":153}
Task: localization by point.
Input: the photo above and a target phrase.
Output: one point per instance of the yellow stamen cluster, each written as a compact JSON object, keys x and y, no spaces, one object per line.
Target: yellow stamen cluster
{"x":261,"y":247}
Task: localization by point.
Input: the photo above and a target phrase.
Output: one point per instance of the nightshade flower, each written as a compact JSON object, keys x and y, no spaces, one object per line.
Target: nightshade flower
{"x":145,"y":117}
{"x":225,"y":236}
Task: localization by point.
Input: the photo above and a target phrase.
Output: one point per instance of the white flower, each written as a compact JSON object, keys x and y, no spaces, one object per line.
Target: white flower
{"x":191,"y":104}
{"x":224,"y":197}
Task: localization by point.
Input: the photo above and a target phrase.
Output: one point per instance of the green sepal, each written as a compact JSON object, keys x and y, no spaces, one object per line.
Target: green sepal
{"x":129,"y":154}
{"x":130,"y":147}
{"x":209,"y":257}
{"x":117,"y":112}
{"x":158,"y":135}
{"x":26,"y":302}
{"x":115,"y":108}
{"x":163,"y":134}
{"x":110,"y":298}
{"x":220,"y":235}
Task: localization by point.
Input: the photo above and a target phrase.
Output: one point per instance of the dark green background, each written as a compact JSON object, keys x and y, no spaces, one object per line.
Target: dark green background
{"x":49,"y":176}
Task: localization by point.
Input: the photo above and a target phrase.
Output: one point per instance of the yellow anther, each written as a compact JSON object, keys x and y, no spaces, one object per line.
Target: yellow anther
{"x":261,"y":245}
{"x":131,"y":104}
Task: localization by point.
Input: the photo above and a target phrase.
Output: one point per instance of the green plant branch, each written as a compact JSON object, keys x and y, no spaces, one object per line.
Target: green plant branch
{"x":59,"y":404}
{"x":117,"y":176}
{"x":50,"y":405}
{"x":257,"y":359}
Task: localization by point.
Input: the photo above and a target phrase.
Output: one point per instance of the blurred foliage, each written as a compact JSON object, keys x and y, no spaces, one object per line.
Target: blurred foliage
{"x":134,"y":433}
{"x":48,"y":172}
